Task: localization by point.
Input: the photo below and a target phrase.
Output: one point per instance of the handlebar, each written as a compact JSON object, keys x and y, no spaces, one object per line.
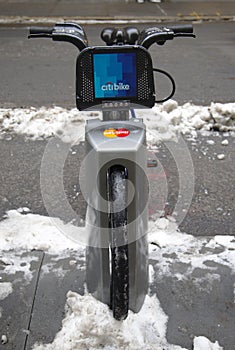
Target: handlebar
{"x":75,"y":34}
{"x":160,"y":35}
{"x":70,"y":32}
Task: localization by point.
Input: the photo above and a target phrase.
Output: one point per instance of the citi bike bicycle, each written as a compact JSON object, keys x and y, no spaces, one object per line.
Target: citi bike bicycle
{"x":115,"y":79}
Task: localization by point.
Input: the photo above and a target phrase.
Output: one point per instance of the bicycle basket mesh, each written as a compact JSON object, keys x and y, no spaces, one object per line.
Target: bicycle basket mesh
{"x":145,"y":86}
{"x":85,"y":85}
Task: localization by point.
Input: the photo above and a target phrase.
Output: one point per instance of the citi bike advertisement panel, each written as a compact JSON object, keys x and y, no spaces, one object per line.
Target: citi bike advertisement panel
{"x":115,"y":75}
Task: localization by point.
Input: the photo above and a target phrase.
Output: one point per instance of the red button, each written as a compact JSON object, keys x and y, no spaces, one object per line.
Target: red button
{"x":122,"y":132}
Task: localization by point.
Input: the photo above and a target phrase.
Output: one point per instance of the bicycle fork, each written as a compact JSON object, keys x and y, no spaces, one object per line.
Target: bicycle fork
{"x":110,"y":143}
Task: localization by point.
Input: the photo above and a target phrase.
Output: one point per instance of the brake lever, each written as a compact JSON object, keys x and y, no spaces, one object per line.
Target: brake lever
{"x":155,"y":35}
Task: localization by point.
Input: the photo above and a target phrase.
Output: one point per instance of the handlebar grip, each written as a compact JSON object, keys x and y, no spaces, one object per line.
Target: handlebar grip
{"x":181,"y":28}
{"x":47,"y":31}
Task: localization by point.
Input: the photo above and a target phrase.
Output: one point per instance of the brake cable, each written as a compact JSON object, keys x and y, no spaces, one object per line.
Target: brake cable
{"x":172,"y":82}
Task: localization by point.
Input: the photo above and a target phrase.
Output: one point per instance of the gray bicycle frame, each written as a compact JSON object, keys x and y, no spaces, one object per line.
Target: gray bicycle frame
{"x":101,"y":153}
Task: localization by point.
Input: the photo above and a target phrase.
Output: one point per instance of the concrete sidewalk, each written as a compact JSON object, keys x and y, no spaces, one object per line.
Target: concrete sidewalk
{"x":23,"y":12}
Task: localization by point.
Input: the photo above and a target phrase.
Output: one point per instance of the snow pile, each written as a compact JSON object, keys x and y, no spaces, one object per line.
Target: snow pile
{"x":163,"y":122}
{"x":202,"y":343}
{"x":166,"y":121}
{"x":164,"y":232}
{"x":16,"y":262}
{"x":89,"y":324}
{"x":169,"y":246}
{"x":44,"y":122}
{"x":31,"y":231}
{"x":5,"y":289}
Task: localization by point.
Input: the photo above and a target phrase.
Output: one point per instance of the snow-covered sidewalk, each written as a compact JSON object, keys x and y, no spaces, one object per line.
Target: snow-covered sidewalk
{"x":88,"y":324}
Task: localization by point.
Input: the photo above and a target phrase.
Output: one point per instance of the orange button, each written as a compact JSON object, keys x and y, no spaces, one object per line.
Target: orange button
{"x":110,"y":133}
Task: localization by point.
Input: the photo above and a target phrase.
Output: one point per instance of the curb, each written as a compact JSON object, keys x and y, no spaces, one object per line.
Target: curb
{"x":25,"y":21}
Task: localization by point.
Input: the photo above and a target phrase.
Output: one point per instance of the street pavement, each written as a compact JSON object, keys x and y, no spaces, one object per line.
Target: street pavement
{"x":35,"y":309}
{"x":23,"y":12}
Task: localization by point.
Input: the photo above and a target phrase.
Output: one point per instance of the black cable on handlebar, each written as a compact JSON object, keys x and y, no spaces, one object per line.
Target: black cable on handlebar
{"x":172,"y":81}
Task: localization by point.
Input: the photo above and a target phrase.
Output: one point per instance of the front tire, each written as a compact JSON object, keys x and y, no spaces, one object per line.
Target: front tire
{"x":117,"y":197}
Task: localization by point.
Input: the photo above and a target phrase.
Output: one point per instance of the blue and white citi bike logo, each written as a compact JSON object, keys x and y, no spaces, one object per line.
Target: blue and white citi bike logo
{"x":109,"y":86}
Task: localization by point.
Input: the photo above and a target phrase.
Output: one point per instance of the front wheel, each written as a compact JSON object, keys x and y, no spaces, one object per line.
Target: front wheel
{"x":117,"y":197}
